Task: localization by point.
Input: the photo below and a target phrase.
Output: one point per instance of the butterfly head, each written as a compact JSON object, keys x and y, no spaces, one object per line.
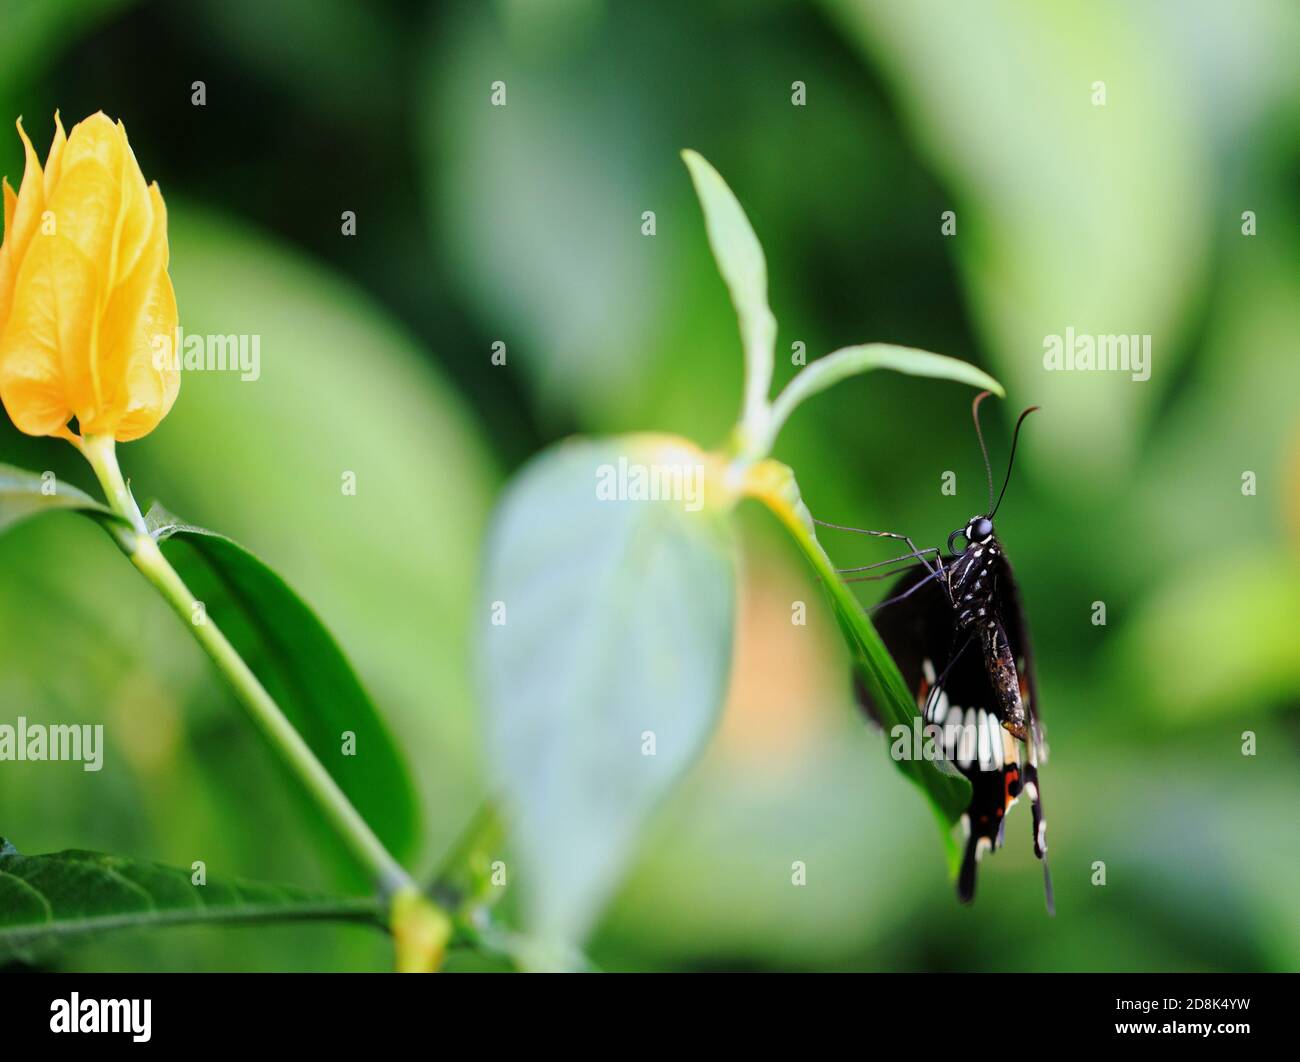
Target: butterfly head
{"x":978,"y":531}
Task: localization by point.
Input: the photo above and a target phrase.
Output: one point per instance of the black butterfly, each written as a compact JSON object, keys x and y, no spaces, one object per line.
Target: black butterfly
{"x":956,"y":628}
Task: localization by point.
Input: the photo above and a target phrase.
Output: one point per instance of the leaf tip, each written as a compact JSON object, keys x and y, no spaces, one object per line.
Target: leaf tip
{"x":698,"y":166}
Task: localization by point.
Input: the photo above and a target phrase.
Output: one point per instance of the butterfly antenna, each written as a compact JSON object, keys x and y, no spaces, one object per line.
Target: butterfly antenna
{"x":975,"y":415}
{"x":1012,"y":459}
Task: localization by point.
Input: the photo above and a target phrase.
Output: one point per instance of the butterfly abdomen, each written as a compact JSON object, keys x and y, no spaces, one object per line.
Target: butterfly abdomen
{"x":972,"y":586}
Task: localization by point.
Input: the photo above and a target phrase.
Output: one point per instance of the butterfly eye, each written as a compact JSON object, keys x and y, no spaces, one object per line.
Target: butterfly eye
{"x":983,"y":528}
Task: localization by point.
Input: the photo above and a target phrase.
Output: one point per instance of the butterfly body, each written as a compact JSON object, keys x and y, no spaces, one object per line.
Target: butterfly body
{"x":972,"y":582}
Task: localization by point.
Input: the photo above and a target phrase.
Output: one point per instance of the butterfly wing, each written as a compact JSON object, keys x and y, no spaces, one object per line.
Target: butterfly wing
{"x":920,"y":633}
{"x":1017,"y":626}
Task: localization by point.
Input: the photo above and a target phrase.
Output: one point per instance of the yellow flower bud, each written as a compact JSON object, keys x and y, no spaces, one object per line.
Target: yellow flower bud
{"x":87,"y":313}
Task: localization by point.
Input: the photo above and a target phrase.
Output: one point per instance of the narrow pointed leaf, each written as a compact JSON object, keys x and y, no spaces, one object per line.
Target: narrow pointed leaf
{"x":851,"y":361}
{"x":25,"y":494}
{"x":740,"y":260}
{"x":303,"y":669}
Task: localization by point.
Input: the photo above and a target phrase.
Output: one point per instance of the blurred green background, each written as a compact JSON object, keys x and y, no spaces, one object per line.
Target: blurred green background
{"x":522,"y":224}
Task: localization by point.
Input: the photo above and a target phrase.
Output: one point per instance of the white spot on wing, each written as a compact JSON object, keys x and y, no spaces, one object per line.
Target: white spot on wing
{"x":966,"y":744}
{"x":952,"y":733}
{"x":1010,"y":747}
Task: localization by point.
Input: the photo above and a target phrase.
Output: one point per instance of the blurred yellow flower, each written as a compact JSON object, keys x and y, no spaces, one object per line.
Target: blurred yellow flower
{"x":87,"y":313}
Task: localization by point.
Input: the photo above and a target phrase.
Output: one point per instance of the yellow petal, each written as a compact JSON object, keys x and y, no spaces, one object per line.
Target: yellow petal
{"x":21,"y":223}
{"x":86,"y":199}
{"x":7,"y":268}
{"x":42,"y":351}
{"x":138,"y":366}
{"x":152,"y":385}
{"x":135,"y":219}
{"x":54,"y":159}
{"x":11,"y":203}
{"x":97,"y":138}
{"x":31,"y":199}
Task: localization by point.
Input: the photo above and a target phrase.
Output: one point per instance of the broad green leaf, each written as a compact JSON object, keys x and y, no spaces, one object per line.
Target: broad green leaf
{"x":48,"y":902}
{"x":1047,"y":197}
{"x":949,"y":793}
{"x":303,"y":668}
{"x":605,"y":649}
{"x":740,"y":260}
{"x":24,"y":494}
{"x":851,"y":361}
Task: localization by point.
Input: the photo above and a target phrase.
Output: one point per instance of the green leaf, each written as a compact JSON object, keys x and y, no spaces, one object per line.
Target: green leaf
{"x":303,"y":668}
{"x":52,"y":901}
{"x":1003,"y":153}
{"x":949,"y":793}
{"x":1191,"y":664}
{"x":603,"y":622}
{"x":851,"y":361}
{"x":25,"y":494}
{"x":283,"y":642}
{"x":741,"y":263}
{"x":391,"y":417}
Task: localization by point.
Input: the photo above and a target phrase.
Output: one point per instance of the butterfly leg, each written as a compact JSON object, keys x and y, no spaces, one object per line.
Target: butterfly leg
{"x":884,"y":534}
{"x":916,"y":555}
{"x":900,"y":597}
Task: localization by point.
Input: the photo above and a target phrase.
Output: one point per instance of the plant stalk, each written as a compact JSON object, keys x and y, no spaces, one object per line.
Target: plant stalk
{"x":144,"y":553}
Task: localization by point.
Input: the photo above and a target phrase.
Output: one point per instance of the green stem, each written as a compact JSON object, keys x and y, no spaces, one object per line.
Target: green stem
{"x":100,"y":451}
{"x":144,"y":553}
